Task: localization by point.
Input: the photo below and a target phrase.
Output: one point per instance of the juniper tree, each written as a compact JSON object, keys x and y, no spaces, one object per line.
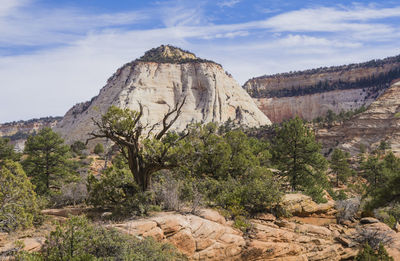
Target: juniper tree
{"x":18,"y":206}
{"x":146,"y":150}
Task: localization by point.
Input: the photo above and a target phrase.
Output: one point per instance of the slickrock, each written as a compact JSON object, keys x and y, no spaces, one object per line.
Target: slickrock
{"x":161,"y":78}
{"x":302,"y":205}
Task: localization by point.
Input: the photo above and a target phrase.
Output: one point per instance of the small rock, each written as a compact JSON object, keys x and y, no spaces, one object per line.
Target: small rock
{"x":397,"y":227}
{"x":106,"y":215}
{"x":369,"y":220}
{"x":266,"y":217}
{"x":286,"y":224}
{"x":345,"y":241}
{"x":212,"y":215}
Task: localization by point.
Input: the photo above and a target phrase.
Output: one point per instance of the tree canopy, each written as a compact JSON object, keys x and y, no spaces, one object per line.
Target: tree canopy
{"x":297,"y":155}
{"x":47,"y":160}
{"x":146,"y":150}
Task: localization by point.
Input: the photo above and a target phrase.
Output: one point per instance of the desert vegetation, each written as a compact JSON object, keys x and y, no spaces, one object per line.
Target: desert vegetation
{"x":207,"y":165}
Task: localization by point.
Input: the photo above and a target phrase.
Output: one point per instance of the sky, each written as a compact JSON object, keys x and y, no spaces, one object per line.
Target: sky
{"x":56,"y":53}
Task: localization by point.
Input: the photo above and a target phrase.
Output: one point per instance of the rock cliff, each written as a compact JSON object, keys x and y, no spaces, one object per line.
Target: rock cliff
{"x":380,"y":122}
{"x":311,"y":93}
{"x":18,"y":131}
{"x":160,"y":79}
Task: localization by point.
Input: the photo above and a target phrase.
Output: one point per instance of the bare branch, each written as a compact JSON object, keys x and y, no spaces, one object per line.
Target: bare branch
{"x":166,"y":126}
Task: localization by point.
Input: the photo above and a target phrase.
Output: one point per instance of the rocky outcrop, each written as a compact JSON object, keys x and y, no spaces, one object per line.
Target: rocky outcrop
{"x":311,"y":106}
{"x":380,"y":122}
{"x":208,"y":236}
{"x":211,"y":94}
{"x":19,"y":131}
{"x":199,"y":238}
{"x":301,"y":205}
{"x":311,"y":93}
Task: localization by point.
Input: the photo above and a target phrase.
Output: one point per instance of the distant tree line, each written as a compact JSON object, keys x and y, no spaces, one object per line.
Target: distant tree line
{"x":369,"y":64}
{"x":373,"y":83}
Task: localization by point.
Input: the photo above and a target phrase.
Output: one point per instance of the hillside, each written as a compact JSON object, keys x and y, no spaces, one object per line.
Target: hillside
{"x":380,"y":122}
{"x":18,"y":131}
{"x":312,"y":93}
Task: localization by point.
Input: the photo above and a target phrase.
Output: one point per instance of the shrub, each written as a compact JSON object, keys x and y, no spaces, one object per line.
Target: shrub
{"x":77,"y":147}
{"x":369,"y":254}
{"x":70,"y":194}
{"x":78,"y":239}
{"x":347,"y":209}
{"x":256,"y":192}
{"x":117,"y":191}
{"x":373,"y":237}
{"x":17,"y":198}
{"x":98,"y":149}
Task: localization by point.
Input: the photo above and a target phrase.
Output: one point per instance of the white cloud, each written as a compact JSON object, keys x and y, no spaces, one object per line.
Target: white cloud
{"x":228,"y":3}
{"x":50,"y":81}
{"x":19,"y":25}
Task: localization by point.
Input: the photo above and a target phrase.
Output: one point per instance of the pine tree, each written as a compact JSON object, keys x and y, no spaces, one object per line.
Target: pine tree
{"x":340,"y":166}
{"x":7,"y":150}
{"x":47,"y":160}
{"x":297,"y":156}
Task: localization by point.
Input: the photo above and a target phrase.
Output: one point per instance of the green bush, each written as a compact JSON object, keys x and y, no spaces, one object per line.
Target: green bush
{"x":256,"y":192}
{"x":78,"y":239}
{"x":19,"y":207}
{"x":367,"y":253}
{"x":117,"y":191}
{"x":98,"y":149}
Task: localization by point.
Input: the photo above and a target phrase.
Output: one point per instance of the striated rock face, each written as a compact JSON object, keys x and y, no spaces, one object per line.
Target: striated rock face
{"x":212,"y":238}
{"x":380,"y":122}
{"x":208,"y":236}
{"x":311,"y":93}
{"x":199,"y":238}
{"x":18,"y":131}
{"x":211,"y":94}
{"x":311,"y":106}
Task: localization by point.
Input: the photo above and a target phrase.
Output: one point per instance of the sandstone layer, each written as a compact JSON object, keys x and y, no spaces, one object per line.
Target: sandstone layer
{"x":311,"y":93}
{"x":380,"y":122}
{"x":18,"y":131}
{"x":211,"y":95}
{"x":209,"y":236}
{"x":311,"y":106}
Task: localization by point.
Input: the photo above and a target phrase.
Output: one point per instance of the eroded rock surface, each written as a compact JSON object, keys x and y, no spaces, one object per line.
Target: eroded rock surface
{"x":380,"y":122}
{"x":211,"y":95}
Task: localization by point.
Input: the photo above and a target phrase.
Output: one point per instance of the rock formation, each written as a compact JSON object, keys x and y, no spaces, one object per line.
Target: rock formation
{"x":18,"y":131}
{"x":209,"y":236}
{"x":159,"y":80}
{"x":310,"y":94}
{"x":380,"y":122}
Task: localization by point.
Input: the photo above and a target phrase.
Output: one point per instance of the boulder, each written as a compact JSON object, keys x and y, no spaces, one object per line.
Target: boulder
{"x":212,"y":215}
{"x":369,"y":220}
{"x":302,"y":205}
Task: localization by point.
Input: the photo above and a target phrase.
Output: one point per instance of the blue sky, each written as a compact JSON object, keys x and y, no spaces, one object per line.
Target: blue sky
{"x":54,"y":54}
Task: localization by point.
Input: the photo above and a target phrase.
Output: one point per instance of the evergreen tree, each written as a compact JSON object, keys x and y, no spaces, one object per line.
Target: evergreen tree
{"x":373,"y":171}
{"x":297,"y":156}
{"x":7,"y":150}
{"x":18,"y":206}
{"x":340,"y":166}
{"x":387,"y":174}
{"x":47,"y":160}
